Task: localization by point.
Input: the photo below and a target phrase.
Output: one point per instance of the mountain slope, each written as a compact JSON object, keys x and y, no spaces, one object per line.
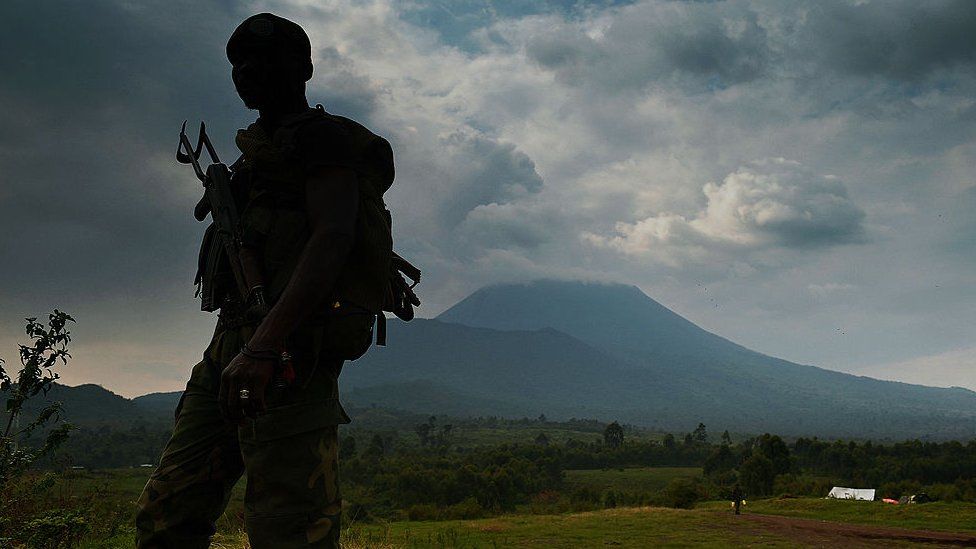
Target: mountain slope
{"x":676,"y":371}
{"x":544,"y":370}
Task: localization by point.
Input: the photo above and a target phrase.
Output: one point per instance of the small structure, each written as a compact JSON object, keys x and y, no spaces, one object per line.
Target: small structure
{"x":915,"y":498}
{"x":839,"y":492}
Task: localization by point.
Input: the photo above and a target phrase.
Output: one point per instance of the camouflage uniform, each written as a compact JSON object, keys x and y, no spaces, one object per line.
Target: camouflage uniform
{"x":289,"y":453}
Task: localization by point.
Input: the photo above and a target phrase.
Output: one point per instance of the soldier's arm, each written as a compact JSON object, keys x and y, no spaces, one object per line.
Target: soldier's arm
{"x":332,"y":198}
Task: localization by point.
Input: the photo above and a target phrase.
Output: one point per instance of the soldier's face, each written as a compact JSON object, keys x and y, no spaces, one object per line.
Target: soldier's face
{"x":254,"y":79}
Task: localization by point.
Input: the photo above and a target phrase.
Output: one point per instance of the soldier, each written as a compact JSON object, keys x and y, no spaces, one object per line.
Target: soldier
{"x":264,"y":399}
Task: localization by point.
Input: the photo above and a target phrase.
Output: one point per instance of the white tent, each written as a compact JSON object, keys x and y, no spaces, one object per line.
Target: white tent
{"x":838,"y":492}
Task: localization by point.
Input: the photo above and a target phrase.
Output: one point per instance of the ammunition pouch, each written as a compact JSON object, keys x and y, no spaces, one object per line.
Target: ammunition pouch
{"x":344,"y":331}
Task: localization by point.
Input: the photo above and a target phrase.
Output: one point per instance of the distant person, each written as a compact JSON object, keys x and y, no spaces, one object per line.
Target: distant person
{"x":264,"y":400}
{"x":737,"y":499}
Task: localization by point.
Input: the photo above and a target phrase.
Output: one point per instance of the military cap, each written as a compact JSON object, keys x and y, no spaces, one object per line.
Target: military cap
{"x":266,"y":31}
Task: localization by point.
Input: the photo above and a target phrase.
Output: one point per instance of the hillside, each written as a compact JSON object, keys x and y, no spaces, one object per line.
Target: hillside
{"x":609,"y":351}
{"x":93,"y":405}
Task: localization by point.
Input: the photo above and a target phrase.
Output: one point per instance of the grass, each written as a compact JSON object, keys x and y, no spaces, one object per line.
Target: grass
{"x":708,"y":525}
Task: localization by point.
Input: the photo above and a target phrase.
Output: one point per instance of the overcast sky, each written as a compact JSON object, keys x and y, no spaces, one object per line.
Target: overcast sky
{"x":799,"y":177}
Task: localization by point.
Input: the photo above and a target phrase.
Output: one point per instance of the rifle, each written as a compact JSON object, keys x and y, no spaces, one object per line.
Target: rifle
{"x":218,"y":201}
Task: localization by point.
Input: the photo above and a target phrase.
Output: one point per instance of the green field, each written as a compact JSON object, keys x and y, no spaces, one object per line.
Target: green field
{"x":709,"y":524}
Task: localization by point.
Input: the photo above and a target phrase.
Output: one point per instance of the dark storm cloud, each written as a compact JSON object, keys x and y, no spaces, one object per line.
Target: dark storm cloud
{"x":92,"y":99}
{"x":688,"y":44}
{"x":903,"y":40}
{"x":701,"y":46}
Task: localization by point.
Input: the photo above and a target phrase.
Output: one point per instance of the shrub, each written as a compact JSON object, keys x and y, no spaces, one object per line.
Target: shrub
{"x":683,"y":493}
{"x":55,"y":529}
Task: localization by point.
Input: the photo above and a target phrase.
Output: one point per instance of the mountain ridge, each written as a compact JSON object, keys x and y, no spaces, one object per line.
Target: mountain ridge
{"x":609,"y":352}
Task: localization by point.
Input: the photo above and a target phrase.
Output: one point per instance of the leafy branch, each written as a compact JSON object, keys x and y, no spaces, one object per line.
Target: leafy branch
{"x":48,"y":349}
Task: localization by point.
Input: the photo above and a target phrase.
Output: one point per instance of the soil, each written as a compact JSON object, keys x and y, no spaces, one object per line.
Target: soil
{"x":840,"y":534}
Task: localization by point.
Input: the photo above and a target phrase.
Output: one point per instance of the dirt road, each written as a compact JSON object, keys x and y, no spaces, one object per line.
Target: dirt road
{"x":841,"y":534}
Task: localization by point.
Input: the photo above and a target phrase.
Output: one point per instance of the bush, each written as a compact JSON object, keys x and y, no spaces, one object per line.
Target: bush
{"x":683,"y":493}
{"x":56,"y":529}
{"x":585,"y":494}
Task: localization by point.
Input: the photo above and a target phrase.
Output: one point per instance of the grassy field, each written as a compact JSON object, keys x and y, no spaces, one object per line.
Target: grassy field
{"x":710,"y":524}
{"x":631,"y":527}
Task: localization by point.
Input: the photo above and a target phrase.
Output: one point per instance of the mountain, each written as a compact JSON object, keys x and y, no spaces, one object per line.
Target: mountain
{"x":490,"y":372}
{"x":158,"y":404}
{"x":92,"y":405}
{"x":607,"y":352}
{"x":610,"y":351}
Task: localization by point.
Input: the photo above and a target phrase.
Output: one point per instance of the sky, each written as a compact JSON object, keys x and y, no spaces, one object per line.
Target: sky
{"x":799,"y":177}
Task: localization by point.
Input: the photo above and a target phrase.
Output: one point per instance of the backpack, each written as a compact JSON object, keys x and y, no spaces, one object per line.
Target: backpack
{"x":269,"y":188}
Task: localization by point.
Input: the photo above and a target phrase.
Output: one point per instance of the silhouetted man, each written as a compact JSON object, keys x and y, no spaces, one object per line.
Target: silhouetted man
{"x":737,"y":499}
{"x":264,"y":399}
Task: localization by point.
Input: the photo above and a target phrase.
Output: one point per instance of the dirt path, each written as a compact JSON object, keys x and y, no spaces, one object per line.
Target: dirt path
{"x":821,"y":532}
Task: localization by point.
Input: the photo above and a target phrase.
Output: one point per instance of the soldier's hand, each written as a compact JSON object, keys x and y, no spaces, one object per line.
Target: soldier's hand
{"x":244,"y":373}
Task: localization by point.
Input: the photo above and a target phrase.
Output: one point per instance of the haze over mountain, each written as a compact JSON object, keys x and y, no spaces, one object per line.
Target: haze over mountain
{"x":609,"y":351}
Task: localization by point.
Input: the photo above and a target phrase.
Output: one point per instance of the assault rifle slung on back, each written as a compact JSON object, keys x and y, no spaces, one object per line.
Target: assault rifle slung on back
{"x":218,"y":201}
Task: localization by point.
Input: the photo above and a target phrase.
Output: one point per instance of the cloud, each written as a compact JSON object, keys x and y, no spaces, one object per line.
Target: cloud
{"x":488,"y":172}
{"x":346,"y":90}
{"x":679,"y":43}
{"x":902,"y":40}
{"x":774,"y":202}
{"x":956,"y":367}
{"x":514,"y":227}
{"x":543,"y":138}
{"x":821,"y":291}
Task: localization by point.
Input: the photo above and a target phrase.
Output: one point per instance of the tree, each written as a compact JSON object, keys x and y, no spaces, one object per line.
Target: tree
{"x":613,"y":435}
{"x":726,"y":438}
{"x":376,"y":448}
{"x":774,"y":449}
{"x":720,"y":461}
{"x":542,"y":439}
{"x":48,"y":350}
{"x":347,"y":447}
{"x":700,"y":434}
{"x":668,"y":441}
{"x":757,"y":475}
{"x":423,"y":431}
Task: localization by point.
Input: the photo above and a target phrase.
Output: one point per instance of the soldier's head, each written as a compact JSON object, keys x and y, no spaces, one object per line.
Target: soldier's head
{"x":271,"y":59}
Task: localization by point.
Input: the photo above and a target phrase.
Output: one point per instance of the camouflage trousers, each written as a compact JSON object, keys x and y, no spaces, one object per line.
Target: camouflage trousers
{"x":289,"y":454}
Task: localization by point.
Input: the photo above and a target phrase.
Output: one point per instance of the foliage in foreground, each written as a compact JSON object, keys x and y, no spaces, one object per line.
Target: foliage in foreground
{"x":48,"y":350}
{"x":23,"y":514}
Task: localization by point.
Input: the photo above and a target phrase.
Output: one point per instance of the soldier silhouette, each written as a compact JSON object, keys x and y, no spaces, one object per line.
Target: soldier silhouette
{"x":309,"y":189}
